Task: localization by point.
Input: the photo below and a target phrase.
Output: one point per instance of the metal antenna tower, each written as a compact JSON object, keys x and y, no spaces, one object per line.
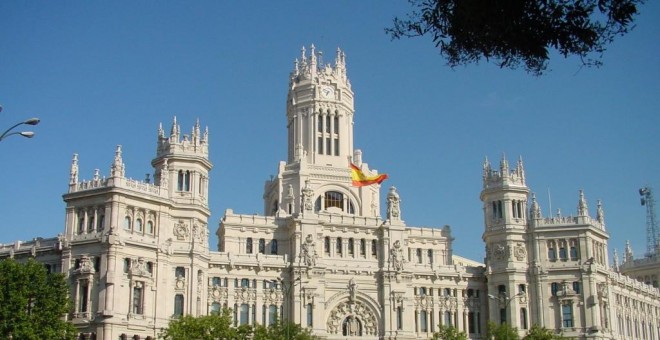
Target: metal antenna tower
{"x":652,"y":232}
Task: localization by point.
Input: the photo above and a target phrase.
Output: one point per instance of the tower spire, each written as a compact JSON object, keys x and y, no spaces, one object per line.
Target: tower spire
{"x":535,"y":210}
{"x":600,"y":215}
{"x":504,"y":166}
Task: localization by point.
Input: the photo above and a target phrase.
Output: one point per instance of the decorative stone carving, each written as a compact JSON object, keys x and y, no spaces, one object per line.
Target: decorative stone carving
{"x":396,"y":257}
{"x":218,"y":294}
{"x":307,"y":194}
{"x":245,"y":295}
{"x":181,"y":230}
{"x":139,"y":267}
{"x":519,"y":252}
{"x":308,"y":253}
{"x":350,"y":318}
{"x":498,"y":252}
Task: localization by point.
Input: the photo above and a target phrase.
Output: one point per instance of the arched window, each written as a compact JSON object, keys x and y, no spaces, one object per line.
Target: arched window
{"x":245,"y":283}
{"x":419,"y":255}
{"x":273,"y":247}
{"x":374,"y":249}
{"x":339,"y":246}
{"x":423,"y":321}
{"x":138,"y":225}
{"x":262,"y":246}
{"x":183,"y":180}
{"x":81,"y":223}
{"x":127,"y":223}
{"x":350,"y":246}
{"x":150,"y":227}
{"x":326,"y":245}
{"x":363,"y":247}
{"x":248,"y":245}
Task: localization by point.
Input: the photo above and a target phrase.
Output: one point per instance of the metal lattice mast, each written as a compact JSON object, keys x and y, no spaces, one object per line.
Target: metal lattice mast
{"x":652,"y":232}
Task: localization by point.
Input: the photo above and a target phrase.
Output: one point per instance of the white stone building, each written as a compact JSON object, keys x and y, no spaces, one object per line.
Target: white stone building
{"x":137,"y":252}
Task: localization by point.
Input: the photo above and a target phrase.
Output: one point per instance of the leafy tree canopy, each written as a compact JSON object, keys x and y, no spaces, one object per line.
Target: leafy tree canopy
{"x":449,"y":333}
{"x":515,"y":32}
{"x":501,"y":332}
{"x":220,"y":326}
{"x":33,"y":302}
{"x":541,"y":333}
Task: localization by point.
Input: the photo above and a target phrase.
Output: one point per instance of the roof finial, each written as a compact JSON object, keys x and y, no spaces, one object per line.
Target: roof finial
{"x":161,"y":132}
{"x":196,"y":133}
{"x":303,"y":57}
{"x":504,"y":165}
{"x":583,"y":209}
{"x":117,"y":168}
{"x":174,"y":132}
{"x":616,"y":260}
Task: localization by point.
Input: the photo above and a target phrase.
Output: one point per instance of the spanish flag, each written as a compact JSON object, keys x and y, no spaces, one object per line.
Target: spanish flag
{"x":360,"y":179}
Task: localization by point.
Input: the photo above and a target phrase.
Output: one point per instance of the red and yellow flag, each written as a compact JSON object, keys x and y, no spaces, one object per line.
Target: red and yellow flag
{"x":360,"y":179}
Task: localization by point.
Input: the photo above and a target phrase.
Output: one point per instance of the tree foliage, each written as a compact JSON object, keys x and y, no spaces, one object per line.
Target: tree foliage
{"x":501,"y":332}
{"x":220,"y":326}
{"x":449,"y":333}
{"x":33,"y":302}
{"x":541,"y":333}
{"x":515,"y":32}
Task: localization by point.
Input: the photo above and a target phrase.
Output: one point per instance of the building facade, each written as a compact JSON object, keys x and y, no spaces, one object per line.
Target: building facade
{"x":136,"y":252}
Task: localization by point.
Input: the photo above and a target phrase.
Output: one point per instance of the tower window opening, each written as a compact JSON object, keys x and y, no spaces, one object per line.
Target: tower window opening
{"x":101,"y":223}
{"x":90,"y":224}
{"x":262,"y":246}
{"x":127,"y":223}
{"x":567,"y":315}
{"x":328,"y":144}
{"x":363,"y":247}
{"x":336,"y":146}
{"x":273,"y":247}
{"x":429,"y":254}
{"x":326,"y":245}
{"x":334,"y":199}
{"x":150,"y":227}
{"x":320,"y":123}
{"x":339,"y":245}
{"x":374,"y":249}
{"x":183,"y":180}
{"x":248,"y":245}
{"x":320,"y":145}
{"x":419,"y":255}
{"x":351,"y":245}
{"x":81,"y":224}
{"x":138,"y":225}
{"x":180,"y":272}
{"x":327,"y":124}
{"x":336,"y":125}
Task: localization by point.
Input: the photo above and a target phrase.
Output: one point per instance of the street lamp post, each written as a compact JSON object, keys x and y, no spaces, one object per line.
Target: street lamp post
{"x":26,"y":134}
{"x":286,"y":290}
{"x":507,"y":301}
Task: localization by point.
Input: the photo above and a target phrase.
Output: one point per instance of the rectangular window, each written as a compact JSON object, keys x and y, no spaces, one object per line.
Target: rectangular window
{"x":399,"y":318}
{"x":523,"y":318}
{"x":178,"y":305}
{"x":502,"y":316}
{"x":448,"y":319}
{"x":328,"y":142}
{"x":319,"y":145}
{"x":310,"y":315}
{"x":423,"y":321}
{"x":84,"y":296}
{"x":471,"y":328}
{"x":576,"y":287}
{"x":137,"y":298}
{"x":336,"y":146}
{"x":272,"y":314}
{"x":567,"y":315}
{"x":244,"y":314}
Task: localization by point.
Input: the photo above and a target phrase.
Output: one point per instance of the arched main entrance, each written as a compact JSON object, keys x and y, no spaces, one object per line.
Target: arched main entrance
{"x":352,"y":318}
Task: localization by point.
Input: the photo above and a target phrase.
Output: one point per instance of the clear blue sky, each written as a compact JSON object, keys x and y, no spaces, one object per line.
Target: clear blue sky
{"x":102,"y":73}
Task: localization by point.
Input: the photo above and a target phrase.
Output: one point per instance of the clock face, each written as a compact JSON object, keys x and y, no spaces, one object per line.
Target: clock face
{"x":328,"y":92}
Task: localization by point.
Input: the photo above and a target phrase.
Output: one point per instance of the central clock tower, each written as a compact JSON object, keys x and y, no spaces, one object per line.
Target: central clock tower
{"x":319,"y":115}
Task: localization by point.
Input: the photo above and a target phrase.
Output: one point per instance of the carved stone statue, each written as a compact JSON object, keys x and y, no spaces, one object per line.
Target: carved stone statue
{"x":309,"y":251}
{"x":352,"y":290}
{"x":393,"y":208}
{"x":396,"y":257}
{"x":307,"y":194}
